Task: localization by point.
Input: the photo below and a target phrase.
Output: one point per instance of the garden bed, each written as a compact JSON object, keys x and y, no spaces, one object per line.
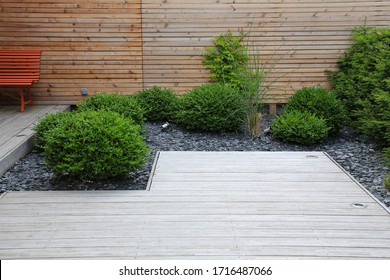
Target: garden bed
{"x":357,"y":156}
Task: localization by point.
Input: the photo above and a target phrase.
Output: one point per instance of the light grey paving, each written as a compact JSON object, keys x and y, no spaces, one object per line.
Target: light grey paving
{"x":206,"y":205}
{"x":16,"y":134}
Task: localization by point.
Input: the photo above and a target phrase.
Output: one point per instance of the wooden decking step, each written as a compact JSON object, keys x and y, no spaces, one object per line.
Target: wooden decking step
{"x":206,"y":205}
{"x":16,"y":134}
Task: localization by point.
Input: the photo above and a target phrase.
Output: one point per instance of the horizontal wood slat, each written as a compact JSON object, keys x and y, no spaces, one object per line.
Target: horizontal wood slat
{"x":94,"y":44}
{"x":124,"y":46}
{"x":250,"y":217}
{"x":308,"y":36}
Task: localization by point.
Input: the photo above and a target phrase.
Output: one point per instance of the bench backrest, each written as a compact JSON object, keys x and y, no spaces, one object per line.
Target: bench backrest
{"x":20,"y":65}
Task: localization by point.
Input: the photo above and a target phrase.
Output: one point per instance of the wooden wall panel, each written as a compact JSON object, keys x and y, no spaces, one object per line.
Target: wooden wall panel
{"x":125,"y":45}
{"x":94,"y":44}
{"x":308,"y":36}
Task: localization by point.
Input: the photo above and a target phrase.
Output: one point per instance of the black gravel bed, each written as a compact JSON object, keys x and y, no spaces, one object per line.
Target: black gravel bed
{"x":357,"y":156}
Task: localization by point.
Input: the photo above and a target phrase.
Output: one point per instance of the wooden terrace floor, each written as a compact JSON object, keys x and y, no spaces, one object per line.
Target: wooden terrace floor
{"x":16,"y":134}
{"x":205,"y":205}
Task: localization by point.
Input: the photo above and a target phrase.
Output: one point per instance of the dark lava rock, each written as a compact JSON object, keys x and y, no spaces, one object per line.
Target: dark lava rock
{"x":357,"y":156}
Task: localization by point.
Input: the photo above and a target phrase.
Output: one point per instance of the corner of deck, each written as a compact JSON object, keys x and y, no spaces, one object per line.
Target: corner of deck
{"x":16,"y":131}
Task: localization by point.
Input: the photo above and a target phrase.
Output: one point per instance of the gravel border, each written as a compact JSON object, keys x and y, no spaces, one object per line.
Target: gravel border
{"x":356,"y":155}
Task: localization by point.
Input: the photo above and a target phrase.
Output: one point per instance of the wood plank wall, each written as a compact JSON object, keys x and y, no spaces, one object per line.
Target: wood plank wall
{"x":126,"y":45}
{"x":94,"y":44}
{"x":307,"y":36}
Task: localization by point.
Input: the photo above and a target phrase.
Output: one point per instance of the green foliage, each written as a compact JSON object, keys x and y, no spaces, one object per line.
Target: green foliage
{"x":256,"y":80}
{"x":320,"y":102}
{"x":373,"y":119}
{"x":364,"y":69}
{"x":226,"y":59}
{"x":387,"y":182}
{"x":363,"y":82}
{"x":300,"y":127}
{"x":48,"y":123}
{"x":95,"y":145}
{"x":125,"y":105}
{"x":159,"y":104}
{"x":386,"y":155}
{"x":211,"y":107}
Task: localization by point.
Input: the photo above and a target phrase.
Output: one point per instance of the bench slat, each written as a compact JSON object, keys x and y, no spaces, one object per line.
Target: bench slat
{"x":16,"y":83}
{"x":20,"y":68}
{"x":19,"y":74}
{"x":10,"y":80}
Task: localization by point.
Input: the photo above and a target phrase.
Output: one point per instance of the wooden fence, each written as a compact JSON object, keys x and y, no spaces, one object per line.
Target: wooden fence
{"x":126,"y":45}
{"x":93,"y":44}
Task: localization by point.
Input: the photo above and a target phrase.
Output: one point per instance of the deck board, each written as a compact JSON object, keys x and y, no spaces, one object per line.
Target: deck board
{"x":16,"y":134}
{"x":205,"y":205}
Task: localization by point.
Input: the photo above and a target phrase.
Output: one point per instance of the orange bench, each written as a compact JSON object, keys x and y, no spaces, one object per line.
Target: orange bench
{"x":20,"y":68}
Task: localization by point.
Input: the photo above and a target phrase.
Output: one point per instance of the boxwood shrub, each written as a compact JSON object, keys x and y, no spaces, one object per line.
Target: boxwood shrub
{"x":300,"y":127}
{"x":321,"y":102}
{"x":125,"y":105}
{"x":212,"y":108}
{"x":48,"y":123}
{"x":159,"y":104}
{"x":95,"y":145}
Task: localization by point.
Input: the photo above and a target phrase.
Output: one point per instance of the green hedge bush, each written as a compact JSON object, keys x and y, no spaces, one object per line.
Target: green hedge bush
{"x":211,"y":107}
{"x":321,"y":102}
{"x":300,"y":127}
{"x":48,"y":123}
{"x":125,"y":105}
{"x":159,"y":104}
{"x":373,"y":119}
{"x":364,"y":69}
{"x":363,"y":83}
{"x":95,"y":145}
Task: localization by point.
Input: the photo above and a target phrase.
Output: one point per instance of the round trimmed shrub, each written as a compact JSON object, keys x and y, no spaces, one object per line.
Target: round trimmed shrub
{"x":321,"y":102}
{"x":95,"y":145}
{"x":48,"y":123}
{"x":125,"y":105}
{"x":159,"y":104}
{"x":212,"y":108}
{"x":299,"y":127}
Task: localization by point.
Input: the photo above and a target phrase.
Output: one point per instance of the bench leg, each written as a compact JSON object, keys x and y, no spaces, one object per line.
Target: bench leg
{"x":22,"y":102}
{"x":30,"y":96}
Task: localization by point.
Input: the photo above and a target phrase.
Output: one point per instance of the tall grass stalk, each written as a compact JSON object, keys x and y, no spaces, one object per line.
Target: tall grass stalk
{"x":257,"y":80}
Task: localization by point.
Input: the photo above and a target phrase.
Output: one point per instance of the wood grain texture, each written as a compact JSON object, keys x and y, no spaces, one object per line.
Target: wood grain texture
{"x":307,"y":37}
{"x":85,"y":44}
{"x":16,"y":134}
{"x":124,"y":46}
{"x":187,"y":215}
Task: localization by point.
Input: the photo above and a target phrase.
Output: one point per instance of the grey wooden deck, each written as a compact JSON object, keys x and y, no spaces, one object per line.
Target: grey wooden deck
{"x":16,"y":135}
{"x":205,"y":205}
